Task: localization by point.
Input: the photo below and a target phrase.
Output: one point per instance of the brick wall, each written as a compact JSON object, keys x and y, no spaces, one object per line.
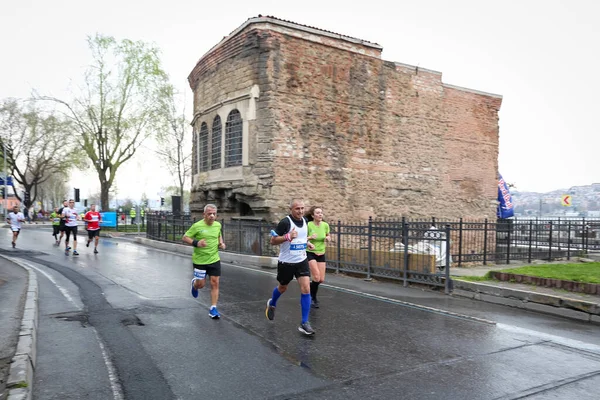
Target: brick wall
{"x":359,"y":135}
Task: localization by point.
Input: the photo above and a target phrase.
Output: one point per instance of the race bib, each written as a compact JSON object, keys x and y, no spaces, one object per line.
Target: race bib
{"x":297,"y":248}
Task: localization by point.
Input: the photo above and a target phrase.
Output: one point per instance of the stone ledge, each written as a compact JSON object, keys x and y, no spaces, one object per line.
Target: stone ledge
{"x":572,"y":286}
{"x":570,"y":308}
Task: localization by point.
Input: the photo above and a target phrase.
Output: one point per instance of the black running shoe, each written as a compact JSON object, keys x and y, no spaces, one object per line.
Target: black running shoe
{"x":314,"y":304}
{"x":87,"y":244}
{"x":270,"y":311}
{"x":306,"y":329}
{"x":95,"y":251}
{"x":14,"y":245}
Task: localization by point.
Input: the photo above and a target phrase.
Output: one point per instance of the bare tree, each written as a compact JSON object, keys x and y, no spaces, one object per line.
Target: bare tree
{"x":36,"y":148}
{"x":119,"y":106}
{"x":53,"y":191}
{"x":173,"y":139}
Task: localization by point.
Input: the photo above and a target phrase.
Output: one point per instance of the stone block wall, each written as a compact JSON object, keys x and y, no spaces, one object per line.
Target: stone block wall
{"x":342,"y":128}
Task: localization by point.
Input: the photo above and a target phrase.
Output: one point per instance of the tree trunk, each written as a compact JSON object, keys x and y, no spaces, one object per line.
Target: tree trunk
{"x":104,"y":188}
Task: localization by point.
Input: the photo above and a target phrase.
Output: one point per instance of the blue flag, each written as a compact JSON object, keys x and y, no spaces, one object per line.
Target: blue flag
{"x":505,"y":204}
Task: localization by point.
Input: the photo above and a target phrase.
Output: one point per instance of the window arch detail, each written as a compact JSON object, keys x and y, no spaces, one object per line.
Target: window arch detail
{"x":217,"y":128}
{"x":233,"y":139}
{"x":203,"y":148}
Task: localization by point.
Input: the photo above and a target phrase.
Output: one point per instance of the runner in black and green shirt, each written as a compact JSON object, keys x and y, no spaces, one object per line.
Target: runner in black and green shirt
{"x":55,"y":218}
{"x":318,"y":235}
{"x":207,"y":238}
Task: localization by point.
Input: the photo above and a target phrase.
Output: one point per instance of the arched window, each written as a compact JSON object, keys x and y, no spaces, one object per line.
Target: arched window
{"x":195,"y":159}
{"x":233,"y":139}
{"x":203,"y":147}
{"x":215,"y":159}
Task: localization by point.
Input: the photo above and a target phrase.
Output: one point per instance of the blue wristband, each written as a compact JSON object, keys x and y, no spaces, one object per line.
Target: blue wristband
{"x":273,"y":233}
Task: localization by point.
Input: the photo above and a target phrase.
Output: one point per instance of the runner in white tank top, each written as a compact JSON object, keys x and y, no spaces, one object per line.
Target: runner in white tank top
{"x":292,"y":235}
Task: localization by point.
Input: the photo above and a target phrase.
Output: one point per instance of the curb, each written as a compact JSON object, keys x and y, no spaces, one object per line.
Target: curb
{"x":22,"y":365}
{"x":532,"y":301}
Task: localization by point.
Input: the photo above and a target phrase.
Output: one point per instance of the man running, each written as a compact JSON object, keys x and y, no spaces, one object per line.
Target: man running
{"x":55,"y":218}
{"x":71,"y":217}
{"x":292,"y":237}
{"x":14,"y":219}
{"x":61,"y":226}
{"x":93,"y":219}
{"x":206,"y":238}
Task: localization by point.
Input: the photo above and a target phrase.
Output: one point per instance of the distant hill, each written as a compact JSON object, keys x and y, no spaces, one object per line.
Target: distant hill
{"x":585,"y":202}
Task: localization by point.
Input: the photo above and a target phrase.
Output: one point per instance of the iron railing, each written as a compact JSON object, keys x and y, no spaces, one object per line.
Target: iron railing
{"x":411,"y":252}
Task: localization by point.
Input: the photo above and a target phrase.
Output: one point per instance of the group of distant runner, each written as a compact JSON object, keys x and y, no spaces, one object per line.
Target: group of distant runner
{"x":64,"y":224}
{"x":302,"y":240}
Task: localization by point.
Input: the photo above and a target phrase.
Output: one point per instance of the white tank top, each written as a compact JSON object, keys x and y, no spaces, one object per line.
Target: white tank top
{"x":295,"y":251}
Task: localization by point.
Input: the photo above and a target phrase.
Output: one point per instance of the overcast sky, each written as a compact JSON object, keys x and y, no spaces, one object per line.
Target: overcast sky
{"x":543,"y":57}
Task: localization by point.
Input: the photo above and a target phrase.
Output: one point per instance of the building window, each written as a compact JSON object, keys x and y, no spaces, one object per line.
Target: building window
{"x":203,"y":147}
{"x":233,"y":139}
{"x":195,"y":159}
{"x":215,"y":160}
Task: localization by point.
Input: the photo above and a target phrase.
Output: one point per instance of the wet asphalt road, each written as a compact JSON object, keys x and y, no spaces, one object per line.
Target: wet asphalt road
{"x":122,"y":325}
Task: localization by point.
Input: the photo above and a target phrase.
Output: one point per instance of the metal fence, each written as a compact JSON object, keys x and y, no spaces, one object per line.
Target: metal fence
{"x":407,"y":249}
{"x":411,"y":252}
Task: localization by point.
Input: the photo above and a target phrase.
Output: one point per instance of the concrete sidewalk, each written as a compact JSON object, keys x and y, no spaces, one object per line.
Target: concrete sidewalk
{"x":18,"y":329}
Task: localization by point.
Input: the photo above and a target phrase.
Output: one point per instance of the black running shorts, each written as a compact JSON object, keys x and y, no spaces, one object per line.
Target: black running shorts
{"x":312,"y":256}
{"x":287,"y":271}
{"x":93,"y":233}
{"x":213,"y":269}
{"x":71,"y":230}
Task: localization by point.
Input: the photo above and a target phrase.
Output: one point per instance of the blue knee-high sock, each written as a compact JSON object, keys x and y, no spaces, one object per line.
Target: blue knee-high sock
{"x":275,"y":296}
{"x":305,"y":303}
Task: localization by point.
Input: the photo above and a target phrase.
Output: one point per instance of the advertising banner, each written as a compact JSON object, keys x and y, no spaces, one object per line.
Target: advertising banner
{"x":505,"y":203}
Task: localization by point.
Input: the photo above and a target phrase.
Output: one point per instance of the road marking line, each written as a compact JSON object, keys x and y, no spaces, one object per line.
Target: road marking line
{"x":112,"y":372}
{"x":112,"y":375}
{"x":383,"y":298}
{"x":64,"y":291}
{"x":576,"y":344}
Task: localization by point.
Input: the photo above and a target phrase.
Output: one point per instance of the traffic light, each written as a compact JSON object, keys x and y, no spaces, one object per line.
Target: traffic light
{"x":76,"y":195}
{"x":85,"y":203}
{"x":162,"y":201}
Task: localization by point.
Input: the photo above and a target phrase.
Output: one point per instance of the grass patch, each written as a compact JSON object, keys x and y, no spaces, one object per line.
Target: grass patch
{"x":586,"y":272}
{"x":19,"y":385}
{"x":486,"y":277}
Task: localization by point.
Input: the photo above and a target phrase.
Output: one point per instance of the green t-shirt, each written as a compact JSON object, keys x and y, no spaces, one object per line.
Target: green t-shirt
{"x":55,"y":218}
{"x":200,"y":230}
{"x":322,"y":230}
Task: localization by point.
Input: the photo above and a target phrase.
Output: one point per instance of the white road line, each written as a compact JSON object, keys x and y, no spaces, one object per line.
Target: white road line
{"x":62,"y":290}
{"x":112,"y":374}
{"x":382,"y":298}
{"x":577,"y":344}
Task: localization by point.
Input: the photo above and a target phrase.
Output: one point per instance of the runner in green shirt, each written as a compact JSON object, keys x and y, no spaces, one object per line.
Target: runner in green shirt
{"x":55,"y":218}
{"x":206,"y":238}
{"x":318,"y":235}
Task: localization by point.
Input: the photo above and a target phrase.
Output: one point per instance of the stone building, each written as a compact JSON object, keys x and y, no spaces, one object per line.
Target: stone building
{"x":283,"y":110}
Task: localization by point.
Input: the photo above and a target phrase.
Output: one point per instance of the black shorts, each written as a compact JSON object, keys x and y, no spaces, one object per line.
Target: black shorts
{"x":312,"y":256}
{"x":55,"y":229}
{"x":62,"y":227}
{"x":287,"y":271}
{"x":93,"y":233}
{"x":213,"y":269}
{"x":71,"y":230}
